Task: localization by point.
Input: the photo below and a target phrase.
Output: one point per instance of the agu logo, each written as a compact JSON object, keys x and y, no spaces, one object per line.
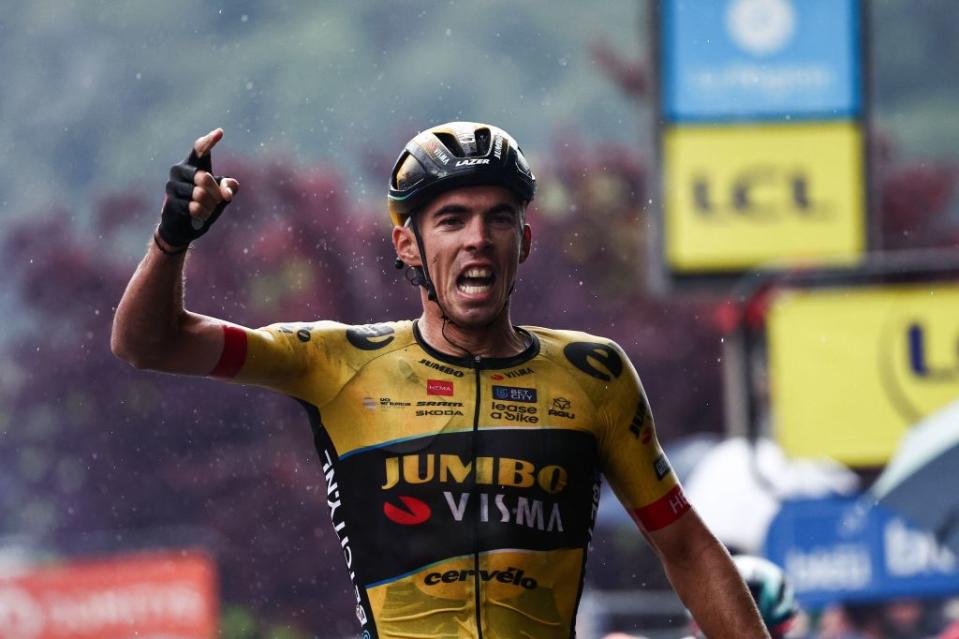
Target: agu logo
{"x":412,"y":513}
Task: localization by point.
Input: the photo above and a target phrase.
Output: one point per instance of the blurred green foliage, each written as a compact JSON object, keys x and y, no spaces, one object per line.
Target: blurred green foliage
{"x":104,"y":94}
{"x":237,"y":622}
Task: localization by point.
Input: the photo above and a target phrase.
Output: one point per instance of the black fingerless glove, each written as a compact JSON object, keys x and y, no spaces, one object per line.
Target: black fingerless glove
{"x":177,"y":226}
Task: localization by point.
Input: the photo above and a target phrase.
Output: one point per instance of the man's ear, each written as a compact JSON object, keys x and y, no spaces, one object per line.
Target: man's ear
{"x":526,"y":243}
{"x":405,"y":245}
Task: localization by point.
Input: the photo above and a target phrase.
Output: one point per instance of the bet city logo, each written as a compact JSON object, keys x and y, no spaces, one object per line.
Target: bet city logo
{"x":494,"y":507}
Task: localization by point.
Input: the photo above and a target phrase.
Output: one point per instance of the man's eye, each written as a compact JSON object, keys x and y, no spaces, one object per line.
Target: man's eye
{"x":503,"y":219}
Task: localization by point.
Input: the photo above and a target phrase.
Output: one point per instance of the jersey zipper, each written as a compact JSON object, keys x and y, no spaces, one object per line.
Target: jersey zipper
{"x":476,"y":531}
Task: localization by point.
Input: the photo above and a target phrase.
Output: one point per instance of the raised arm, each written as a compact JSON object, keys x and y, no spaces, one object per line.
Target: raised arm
{"x":151,"y":328}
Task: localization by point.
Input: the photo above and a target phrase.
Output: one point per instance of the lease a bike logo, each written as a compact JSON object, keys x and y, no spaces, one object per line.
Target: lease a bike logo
{"x":514,"y":394}
{"x":370,"y":337}
{"x":596,"y":360}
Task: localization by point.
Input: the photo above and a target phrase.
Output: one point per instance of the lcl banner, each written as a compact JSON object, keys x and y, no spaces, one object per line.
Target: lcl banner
{"x":738,"y":197}
{"x":761,"y":147}
{"x":851,"y":369}
{"x":155,"y":596}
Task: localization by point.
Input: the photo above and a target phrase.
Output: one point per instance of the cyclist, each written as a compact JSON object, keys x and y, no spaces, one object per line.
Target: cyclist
{"x":462,"y":453}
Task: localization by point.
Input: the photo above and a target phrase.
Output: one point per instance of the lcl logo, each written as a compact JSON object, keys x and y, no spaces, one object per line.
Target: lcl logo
{"x":919,"y":365}
{"x":761,"y":191}
{"x":920,"y":360}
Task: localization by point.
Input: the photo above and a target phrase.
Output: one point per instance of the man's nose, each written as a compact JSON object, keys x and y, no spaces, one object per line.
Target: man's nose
{"x":477,"y":233}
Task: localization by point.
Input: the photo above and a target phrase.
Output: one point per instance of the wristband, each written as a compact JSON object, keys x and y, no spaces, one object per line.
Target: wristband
{"x":156,"y":240}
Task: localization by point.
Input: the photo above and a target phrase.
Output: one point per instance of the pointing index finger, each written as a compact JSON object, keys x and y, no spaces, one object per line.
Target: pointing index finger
{"x":205,"y":144}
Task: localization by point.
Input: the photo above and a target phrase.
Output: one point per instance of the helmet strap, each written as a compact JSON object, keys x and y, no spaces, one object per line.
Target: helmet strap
{"x":423,"y":279}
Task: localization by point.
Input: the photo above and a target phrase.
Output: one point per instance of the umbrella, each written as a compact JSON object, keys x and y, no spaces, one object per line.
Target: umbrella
{"x":737,"y":488}
{"x":922,"y":480}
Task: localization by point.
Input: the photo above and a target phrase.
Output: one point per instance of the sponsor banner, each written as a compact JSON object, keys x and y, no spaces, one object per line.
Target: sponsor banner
{"x":760,"y":59}
{"x":525,"y":489}
{"x":839,"y":549}
{"x":751,"y":196}
{"x":852,"y":369}
{"x":148,"y":596}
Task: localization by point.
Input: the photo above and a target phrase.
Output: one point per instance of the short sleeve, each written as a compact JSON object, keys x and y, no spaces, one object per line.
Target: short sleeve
{"x":286,"y":357}
{"x":632,"y":459}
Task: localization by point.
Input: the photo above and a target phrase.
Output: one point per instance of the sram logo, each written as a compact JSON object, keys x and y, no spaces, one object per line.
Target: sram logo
{"x":472,"y":162}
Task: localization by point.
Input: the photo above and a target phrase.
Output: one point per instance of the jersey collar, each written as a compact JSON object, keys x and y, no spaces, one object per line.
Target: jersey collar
{"x":527,"y":354}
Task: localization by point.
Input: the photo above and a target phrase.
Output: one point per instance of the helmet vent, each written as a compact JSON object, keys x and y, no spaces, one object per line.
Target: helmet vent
{"x":408,"y":172}
{"x":483,"y":138}
{"x":450,"y":142}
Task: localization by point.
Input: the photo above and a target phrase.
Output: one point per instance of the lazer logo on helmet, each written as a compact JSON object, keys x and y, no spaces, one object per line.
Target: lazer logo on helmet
{"x":472,"y":162}
{"x":451,"y":469}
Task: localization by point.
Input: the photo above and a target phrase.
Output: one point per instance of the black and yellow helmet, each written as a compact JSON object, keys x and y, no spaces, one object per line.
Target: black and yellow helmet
{"x":453,"y":155}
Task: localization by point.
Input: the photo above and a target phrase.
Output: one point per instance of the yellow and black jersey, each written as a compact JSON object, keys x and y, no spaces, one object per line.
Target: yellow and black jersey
{"x":463,"y":491}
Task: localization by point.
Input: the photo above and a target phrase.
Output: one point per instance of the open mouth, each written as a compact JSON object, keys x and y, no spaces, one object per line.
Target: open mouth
{"x":475,"y":280}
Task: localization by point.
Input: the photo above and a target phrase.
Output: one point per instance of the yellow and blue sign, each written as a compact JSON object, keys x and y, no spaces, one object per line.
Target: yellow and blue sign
{"x":852,"y":369}
{"x":760,"y":59}
{"x":742,"y":196}
{"x":842,"y":549}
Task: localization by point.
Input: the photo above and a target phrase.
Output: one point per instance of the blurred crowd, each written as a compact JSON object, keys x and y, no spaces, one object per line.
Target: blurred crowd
{"x":905,"y":618}
{"x":897,"y":619}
